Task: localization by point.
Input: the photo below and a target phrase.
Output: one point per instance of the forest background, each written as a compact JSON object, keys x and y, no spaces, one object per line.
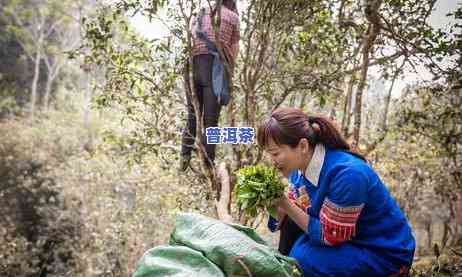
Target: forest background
{"x":92,"y":107}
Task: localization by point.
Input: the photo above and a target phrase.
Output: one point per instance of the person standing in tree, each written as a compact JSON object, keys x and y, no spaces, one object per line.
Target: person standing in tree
{"x":202,"y":75}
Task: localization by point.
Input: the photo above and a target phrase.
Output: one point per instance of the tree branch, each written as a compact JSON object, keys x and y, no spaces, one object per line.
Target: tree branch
{"x":372,"y":15}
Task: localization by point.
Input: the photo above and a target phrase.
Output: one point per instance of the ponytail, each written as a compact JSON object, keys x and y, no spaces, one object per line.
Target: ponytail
{"x":290,"y":125}
{"x":323,"y":130}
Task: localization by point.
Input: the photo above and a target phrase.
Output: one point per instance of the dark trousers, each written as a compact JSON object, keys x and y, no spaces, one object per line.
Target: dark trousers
{"x":209,"y":107}
{"x":289,"y":233}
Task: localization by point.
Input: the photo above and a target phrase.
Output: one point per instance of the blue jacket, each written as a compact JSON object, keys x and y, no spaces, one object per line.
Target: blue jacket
{"x":355,"y":227}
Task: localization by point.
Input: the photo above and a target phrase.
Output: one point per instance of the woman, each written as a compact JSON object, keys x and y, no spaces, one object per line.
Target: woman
{"x":350,"y":224}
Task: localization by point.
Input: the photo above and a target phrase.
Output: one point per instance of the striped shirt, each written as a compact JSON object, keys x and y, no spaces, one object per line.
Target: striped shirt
{"x":229,"y":34}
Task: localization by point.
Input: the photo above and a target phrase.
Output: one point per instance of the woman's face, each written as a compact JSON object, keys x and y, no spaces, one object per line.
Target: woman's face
{"x":285,"y":158}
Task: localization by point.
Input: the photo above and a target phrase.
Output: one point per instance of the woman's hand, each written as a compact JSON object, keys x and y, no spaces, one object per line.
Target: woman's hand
{"x":281,"y":214}
{"x":282,"y":204}
{"x":293,"y":211}
{"x":276,"y":207}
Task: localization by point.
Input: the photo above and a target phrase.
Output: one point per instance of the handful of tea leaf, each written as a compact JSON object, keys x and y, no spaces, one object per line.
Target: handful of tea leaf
{"x":256,"y":189}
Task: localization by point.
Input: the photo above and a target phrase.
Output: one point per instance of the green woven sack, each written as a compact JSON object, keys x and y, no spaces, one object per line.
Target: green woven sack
{"x":176,"y":261}
{"x":236,"y":250}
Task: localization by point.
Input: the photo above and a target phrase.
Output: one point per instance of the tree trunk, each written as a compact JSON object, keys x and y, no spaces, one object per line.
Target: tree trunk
{"x":88,"y":93}
{"x":46,"y":98}
{"x":207,"y":168}
{"x":224,"y":202}
{"x":360,"y":89}
{"x":373,"y":17}
{"x":387,"y":105}
{"x":428,"y":228}
{"x":220,"y":179}
{"x":53,"y":72}
{"x":446,"y":232}
{"x":346,"y":119}
{"x":33,"y":94}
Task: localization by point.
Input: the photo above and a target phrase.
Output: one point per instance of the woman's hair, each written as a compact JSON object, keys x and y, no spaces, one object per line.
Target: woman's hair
{"x":230,"y":4}
{"x":290,"y":125}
